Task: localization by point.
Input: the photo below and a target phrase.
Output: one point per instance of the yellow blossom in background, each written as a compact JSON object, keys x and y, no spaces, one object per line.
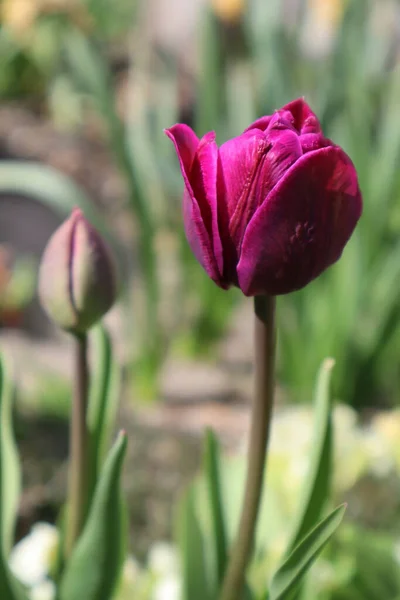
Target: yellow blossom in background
{"x":322,"y":21}
{"x":19,"y":16}
{"x":229,"y":10}
{"x":327,"y":12}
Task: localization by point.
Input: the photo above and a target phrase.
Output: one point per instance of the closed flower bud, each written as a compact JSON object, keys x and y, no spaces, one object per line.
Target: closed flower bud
{"x":77,"y":278}
{"x":269,"y":210}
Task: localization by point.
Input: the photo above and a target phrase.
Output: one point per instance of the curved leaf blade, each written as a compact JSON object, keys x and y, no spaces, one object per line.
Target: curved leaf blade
{"x":103,"y":402}
{"x":10,"y":470}
{"x":316,"y":488}
{"x":10,"y":483}
{"x":212,"y":470}
{"x":195,"y":582}
{"x":51,"y":188}
{"x":289,"y":576}
{"x":95,"y":566}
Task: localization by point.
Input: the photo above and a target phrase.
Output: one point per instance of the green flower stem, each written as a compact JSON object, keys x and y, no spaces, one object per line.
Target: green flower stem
{"x":78,"y":476}
{"x":264,"y":307}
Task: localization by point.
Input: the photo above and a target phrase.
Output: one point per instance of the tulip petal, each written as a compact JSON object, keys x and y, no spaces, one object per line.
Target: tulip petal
{"x":93,"y":285}
{"x":198,"y":161}
{"x":203,"y":179}
{"x":314,"y":141}
{"x":305,"y":120}
{"x":261,"y":123}
{"x":185,"y":141}
{"x":251,"y":166}
{"x":303,"y":225}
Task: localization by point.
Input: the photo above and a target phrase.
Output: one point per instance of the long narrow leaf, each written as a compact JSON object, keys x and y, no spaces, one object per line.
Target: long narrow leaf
{"x":10,"y":465}
{"x":289,"y":576}
{"x":195,"y":582}
{"x":103,"y":402}
{"x":211,"y":75}
{"x":10,"y":484}
{"x":212,"y":468}
{"x":95,"y":566}
{"x":317,"y":484}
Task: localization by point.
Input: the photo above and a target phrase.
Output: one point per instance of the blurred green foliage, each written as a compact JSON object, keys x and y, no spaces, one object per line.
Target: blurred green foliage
{"x":343,"y":57}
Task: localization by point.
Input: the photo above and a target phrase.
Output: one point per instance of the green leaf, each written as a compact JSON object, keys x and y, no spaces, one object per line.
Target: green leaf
{"x":95,"y":566}
{"x":9,"y":461}
{"x":316,"y":489}
{"x":10,"y":483}
{"x":92,"y":75}
{"x":211,"y":80}
{"x":195,"y":581}
{"x":212,"y":469}
{"x":288,"y":577}
{"x":10,"y":588}
{"x":51,"y":188}
{"x":103,"y":402}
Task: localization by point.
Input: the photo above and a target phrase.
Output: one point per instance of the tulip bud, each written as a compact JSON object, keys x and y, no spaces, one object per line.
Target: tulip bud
{"x":77,"y":279}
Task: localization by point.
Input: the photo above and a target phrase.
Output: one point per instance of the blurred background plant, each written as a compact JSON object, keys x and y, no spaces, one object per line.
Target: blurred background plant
{"x":17,"y":287}
{"x":79,"y":59}
{"x":361,"y":562}
{"x":120,"y":71}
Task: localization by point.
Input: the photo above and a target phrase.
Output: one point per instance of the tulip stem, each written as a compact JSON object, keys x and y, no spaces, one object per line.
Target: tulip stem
{"x":78,"y":480}
{"x":264,"y":307}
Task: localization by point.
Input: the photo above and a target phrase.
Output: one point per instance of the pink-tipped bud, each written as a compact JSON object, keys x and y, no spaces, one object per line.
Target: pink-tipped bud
{"x":77,"y":276}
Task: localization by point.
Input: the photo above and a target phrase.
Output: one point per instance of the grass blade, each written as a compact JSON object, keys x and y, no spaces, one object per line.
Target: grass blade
{"x":288,"y":577}
{"x":316,"y":487}
{"x":95,"y":566}
{"x":10,"y":465}
{"x":103,"y":402}
{"x":212,"y":470}
{"x":195,"y":581}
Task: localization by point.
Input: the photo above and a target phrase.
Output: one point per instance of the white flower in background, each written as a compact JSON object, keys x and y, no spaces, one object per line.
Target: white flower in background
{"x":168,"y":589}
{"x":46,"y":590}
{"x":163,"y":559}
{"x":396,"y":552}
{"x":131,"y":571}
{"x":31,"y":558}
{"x":387,"y":425}
{"x":164,"y":565}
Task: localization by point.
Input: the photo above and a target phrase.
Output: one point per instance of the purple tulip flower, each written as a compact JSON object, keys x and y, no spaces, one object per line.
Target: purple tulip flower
{"x":271,"y":209}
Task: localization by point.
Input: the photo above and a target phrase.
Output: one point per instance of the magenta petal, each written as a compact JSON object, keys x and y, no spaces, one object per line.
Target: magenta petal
{"x":251,"y":165}
{"x":203,"y":179}
{"x":305,"y":120}
{"x":261,"y":123}
{"x":185,"y":141}
{"x":314,"y":141}
{"x":303,"y":225}
{"x":196,"y":221}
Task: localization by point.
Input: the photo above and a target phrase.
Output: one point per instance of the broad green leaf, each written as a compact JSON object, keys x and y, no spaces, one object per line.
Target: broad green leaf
{"x":10,"y":470}
{"x":103,"y":402}
{"x":195,"y":580}
{"x":289,"y":576}
{"x":212,"y":470}
{"x":51,"y":188}
{"x":95,"y":566}
{"x":316,"y":487}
